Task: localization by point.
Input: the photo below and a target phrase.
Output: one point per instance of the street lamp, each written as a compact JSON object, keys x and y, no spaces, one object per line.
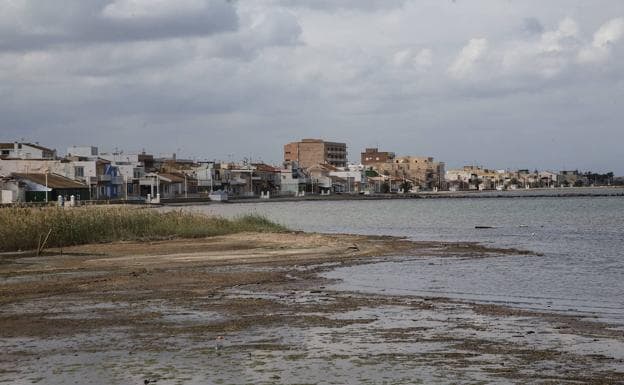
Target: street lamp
{"x":185,"y":188}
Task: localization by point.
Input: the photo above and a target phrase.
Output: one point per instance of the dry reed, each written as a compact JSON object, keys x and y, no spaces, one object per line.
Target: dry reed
{"x":22,"y":228}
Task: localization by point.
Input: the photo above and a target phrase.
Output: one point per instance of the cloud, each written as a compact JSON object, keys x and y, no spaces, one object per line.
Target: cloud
{"x":604,"y":39}
{"x":202,"y":74}
{"x":158,"y":9}
{"x":333,"y":5}
{"x":32,"y":24}
{"x":545,"y":57}
{"x":419,"y":60}
{"x":466,"y":62}
{"x":532,"y":26}
{"x":561,"y":38}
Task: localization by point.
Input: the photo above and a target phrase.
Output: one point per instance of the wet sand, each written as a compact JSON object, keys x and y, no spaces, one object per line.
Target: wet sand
{"x":252,"y":308}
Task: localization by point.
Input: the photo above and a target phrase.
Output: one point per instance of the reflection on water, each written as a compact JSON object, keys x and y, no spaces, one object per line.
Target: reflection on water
{"x":581,"y":239}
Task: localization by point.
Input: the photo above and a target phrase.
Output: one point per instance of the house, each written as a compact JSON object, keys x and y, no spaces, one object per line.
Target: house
{"x":265,"y":178}
{"x":237,"y":179}
{"x":569,"y":178}
{"x":168,"y":185}
{"x":354,"y":177}
{"x":111,"y":175}
{"x":372,"y":157}
{"x":477,"y":178}
{"x":23,"y":150}
{"x":102,"y":176}
{"x":208,"y":176}
{"x":321,"y":181}
{"x":293,"y":179}
{"x":12,"y":190}
{"x":34,"y":166}
{"x":387,"y":184}
{"x":48,"y":187}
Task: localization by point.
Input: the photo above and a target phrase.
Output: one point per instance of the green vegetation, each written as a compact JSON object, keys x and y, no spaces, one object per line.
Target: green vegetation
{"x":31,"y":228}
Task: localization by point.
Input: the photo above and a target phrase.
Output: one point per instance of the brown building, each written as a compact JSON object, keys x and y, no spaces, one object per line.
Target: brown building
{"x":310,"y":152}
{"x":372,"y":156}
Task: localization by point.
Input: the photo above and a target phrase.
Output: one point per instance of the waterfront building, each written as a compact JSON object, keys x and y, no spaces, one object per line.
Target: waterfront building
{"x":423,"y":171}
{"x":48,"y":187}
{"x":293,"y":179}
{"x":168,"y":185}
{"x":208,"y":176}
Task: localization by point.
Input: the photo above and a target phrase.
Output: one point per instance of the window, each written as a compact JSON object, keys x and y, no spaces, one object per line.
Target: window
{"x":5,"y":152}
{"x":79,"y":172}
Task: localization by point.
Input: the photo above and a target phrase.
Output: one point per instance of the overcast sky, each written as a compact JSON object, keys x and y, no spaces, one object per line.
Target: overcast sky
{"x":499,"y":83}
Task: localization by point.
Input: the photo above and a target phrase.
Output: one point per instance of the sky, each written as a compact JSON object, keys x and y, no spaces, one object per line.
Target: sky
{"x":498,"y":83}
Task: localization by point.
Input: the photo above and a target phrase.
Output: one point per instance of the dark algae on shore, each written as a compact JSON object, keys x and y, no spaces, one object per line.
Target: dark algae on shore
{"x":254,"y":308}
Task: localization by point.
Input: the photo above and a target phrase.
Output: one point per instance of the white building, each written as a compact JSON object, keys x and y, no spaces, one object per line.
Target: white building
{"x":208,"y":178}
{"x":354,"y":178}
{"x":292,"y":179}
{"x":22,"y":150}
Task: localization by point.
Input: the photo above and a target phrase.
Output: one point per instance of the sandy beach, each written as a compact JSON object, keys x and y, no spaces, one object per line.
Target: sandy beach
{"x":252,"y":308}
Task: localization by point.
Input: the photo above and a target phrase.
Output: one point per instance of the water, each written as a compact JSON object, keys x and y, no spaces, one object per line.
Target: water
{"x":581,"y":270}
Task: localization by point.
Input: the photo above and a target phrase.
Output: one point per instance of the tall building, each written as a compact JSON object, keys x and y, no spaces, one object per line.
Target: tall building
{"x":310,"y":152}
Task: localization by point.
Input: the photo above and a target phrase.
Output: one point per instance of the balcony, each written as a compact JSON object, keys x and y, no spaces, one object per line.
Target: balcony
{"x":104,"y":178}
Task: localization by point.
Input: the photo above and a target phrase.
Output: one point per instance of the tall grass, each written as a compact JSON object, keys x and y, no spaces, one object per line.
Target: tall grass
{"x":24,"y":228}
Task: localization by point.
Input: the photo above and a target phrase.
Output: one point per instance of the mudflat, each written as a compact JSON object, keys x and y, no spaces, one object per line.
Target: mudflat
{"x":252,"y":308}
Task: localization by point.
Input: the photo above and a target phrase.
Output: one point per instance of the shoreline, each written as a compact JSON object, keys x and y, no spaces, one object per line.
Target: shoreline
{"x":571,"y":192}
{"x":254,"y":305}
{"x":568,"y":192}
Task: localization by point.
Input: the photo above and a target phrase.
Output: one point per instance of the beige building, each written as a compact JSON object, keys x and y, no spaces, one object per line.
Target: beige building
{"x":424,"y":171}
{"x":311,"y":152}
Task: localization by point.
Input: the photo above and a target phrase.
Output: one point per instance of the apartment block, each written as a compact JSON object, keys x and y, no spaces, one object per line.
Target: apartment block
{"x":311,"y":152}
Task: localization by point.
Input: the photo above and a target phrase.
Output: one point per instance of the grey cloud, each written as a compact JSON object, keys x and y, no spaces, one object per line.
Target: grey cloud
{"x":37,"y":25}
{"x":332,"y":5}
{"x":365,"y":72}
{"x":532,"y":26}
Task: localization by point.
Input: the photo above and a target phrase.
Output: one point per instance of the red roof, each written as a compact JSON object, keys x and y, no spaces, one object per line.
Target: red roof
{"x":265,"y":167}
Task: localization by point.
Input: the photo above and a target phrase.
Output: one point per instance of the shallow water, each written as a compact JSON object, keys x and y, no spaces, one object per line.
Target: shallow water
{"x":581,"y":240}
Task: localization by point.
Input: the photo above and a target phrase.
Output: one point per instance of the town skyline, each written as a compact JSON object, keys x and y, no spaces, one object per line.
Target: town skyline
{"x":514,"y":84}
{"x":353,"y":157}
